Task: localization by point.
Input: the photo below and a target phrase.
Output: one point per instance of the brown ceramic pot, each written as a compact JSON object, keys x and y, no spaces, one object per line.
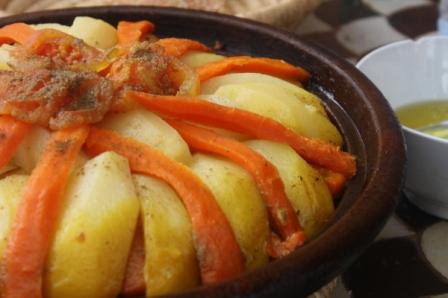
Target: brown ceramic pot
{"x":370,"y":128}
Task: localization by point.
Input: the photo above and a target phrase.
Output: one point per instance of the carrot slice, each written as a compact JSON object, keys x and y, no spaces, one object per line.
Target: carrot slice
{"x":200,"y":111}
{"x":129,"y":33}
{"x":15,"y":33}
{"x":265,"y":175}
{"x":12,"y":132}
{"x":218,"y":252}
{"x":177,"y":47}
{"x":134,"y":280}
{"x":335,"y":181}
{"x":36,"y":217}
{"x":274,"y":67}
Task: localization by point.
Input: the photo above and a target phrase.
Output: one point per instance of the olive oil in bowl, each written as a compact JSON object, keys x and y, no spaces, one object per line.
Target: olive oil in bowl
{"x":430,"y":117}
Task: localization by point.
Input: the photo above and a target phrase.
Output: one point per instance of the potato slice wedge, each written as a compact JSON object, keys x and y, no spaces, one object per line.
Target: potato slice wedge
{"x":90,"y":250}
{"x":94,"y":32}
{"x":210,"y":86}
{"x":304,"y":186}
{"x":10,"y":194}
{"x":31,"y":148}
{"x":171,"y":264}
{"x":195,"y":59}
{"x":5,"y":56}
{"x":241,"y":202}
{"x":150,"y":129}
{"x":272,"y":101}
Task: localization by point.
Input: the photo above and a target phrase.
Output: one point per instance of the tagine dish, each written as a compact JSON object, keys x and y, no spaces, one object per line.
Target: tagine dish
{"x":135,"y":165}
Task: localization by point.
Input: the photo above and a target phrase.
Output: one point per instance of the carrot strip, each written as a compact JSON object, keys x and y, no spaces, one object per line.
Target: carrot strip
{"x":134,"y":280}
{"x":177,"y":47}
{"x":265,"y":175}
{"x":129,"y":33}
{"x":12,"y":132}
{"x":15,"y":33}
{"x":34,"y":224}
{"x":335,"y":181}
{"x":218,"y":252}
{"x":274,"y":67}
{"x":200,"y":111}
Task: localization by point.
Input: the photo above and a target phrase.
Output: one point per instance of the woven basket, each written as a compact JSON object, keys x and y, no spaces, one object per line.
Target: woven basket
{"x":282,"y":13}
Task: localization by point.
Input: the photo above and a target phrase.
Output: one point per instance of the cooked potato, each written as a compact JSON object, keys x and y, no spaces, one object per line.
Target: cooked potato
{"x":195,"y":59}
{"x":305,"y":188}
{"x":93,"y":236}
{"x":272,"y":101}
{"x":10,"y":194}
{"x":210,"y":86}
{"x":31,"y":148}
{"x":94,"y":32}
{"x":5,"y":56}
{"x":171,"y":264}
{"x":55,"y":26}
{"x":239,"y":199}
{"x":150,"y":129}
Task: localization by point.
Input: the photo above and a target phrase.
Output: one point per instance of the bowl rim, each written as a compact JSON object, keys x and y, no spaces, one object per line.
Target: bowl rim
{"x":374,"y":205}
{"x":412,"y":43}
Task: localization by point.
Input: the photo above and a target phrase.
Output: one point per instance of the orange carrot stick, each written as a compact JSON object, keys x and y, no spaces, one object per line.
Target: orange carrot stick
{"x":129,"y":33}
{"x":17,"y":32}
{"x":218,"y":252}
{"x":34,"y":224}
{"x":134,"y":280}
{"x":12,"y":132}
{"x":177,"y":47}
{"x":200,"y":111}
{"x":265,"y":175}
{"x":335,"y":181}
{"x":274,"y":67}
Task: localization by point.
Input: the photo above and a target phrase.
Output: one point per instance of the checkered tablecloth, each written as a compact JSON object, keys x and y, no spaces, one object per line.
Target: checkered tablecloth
{"x":352,"y":28}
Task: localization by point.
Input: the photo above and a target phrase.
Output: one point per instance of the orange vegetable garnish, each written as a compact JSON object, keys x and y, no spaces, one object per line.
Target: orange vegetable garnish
{"x":274,"y":67}
{"x":128,"y":33}
{"x":17,"y":32}
{"x":12,"y":132}
{"x":200,"y":111}
{"x":36,"y":217}
{"x":218,"y":252}
{"x":335,"y":181}
{"x":177,"y":47}
{"x":266,"y":176}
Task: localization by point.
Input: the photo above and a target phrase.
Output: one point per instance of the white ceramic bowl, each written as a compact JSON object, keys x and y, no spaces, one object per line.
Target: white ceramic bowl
{"x":406,"y":72}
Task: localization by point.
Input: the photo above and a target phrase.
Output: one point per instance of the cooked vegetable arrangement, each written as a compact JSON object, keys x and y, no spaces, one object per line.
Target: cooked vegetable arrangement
{"x":135,"y":165}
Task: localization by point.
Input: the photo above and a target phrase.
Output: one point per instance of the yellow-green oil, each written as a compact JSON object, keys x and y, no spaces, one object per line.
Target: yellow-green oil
{"x":424,"y":116}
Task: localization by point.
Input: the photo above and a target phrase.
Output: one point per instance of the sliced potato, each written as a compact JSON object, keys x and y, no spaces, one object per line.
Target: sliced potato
{"x":304,"y":186}
{"x":171,"y":264}
{"x":94,"y":32}
{"x":10,"y":194}
{"x":5,"y":56}
{"x":272,"y":101}
{"x":150,"y":129}
{"x":210,"y":86}
{"x":195,"y":59}
{"x":31,"y":148}
{"x":238,"y":197}
{"x":93,"y":237}
{"x":55,"y":26}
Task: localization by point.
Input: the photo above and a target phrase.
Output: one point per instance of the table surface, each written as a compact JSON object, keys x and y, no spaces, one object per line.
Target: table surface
{"x":410,"y":257}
